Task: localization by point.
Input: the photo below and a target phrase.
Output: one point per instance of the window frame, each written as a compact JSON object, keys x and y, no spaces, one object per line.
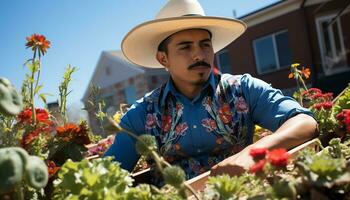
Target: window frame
{"x":217,"y":55}
{"x":275,"y":51}
{"x":320,"y":37}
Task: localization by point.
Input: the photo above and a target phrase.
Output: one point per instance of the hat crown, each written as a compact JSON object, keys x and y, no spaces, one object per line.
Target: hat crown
{"x":177,"y":8}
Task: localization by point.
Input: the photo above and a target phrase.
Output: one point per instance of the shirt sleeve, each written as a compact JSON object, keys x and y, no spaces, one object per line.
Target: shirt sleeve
{"x":268,"y":106}
{"x":123,"y":148}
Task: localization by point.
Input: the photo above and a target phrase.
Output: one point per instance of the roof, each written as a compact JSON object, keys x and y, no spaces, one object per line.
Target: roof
{"x":119,"y":70}
{"x":275,"y":10}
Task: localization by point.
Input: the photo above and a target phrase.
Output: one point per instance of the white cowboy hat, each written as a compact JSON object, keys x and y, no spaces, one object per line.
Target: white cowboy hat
{"x":141,"y":43}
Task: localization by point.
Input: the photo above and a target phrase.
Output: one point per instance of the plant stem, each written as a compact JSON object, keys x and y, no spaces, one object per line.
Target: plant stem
{"x":32,"y":91}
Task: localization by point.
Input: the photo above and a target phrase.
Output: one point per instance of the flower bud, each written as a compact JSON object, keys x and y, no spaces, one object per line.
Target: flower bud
{"x":174,"y":176}
{"x":145,"y":144}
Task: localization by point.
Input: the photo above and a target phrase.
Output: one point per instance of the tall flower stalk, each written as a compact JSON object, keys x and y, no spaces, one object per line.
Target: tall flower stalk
{"x":299,"y":75}
{"x":39,"y":46}
{"x":63,"y":88}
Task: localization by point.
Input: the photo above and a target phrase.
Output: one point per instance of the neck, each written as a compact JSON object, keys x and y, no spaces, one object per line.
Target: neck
{"x":190,"y":90}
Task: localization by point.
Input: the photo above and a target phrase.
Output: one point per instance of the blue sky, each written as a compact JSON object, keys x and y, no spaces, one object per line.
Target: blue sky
{"x":79,"y":30}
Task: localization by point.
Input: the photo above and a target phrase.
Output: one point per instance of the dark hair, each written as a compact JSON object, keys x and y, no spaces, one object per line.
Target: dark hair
{"x":163,"y":46}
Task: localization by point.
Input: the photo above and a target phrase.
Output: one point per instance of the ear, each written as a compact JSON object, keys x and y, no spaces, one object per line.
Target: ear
{"x":162,"y":58}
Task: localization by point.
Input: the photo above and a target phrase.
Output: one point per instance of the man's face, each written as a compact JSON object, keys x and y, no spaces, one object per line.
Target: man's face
{"x":189,"y":58}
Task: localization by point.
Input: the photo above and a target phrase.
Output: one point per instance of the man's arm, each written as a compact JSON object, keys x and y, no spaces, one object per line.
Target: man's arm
{"x":292,"y":125}
{"x":123,"y":148}
{"x":293,"y":132}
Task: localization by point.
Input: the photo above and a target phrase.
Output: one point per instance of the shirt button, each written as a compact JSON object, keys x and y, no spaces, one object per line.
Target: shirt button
{"x":199,"y":150}
{"x":194,"y":126}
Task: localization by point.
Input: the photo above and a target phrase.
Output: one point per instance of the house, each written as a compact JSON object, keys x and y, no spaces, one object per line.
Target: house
{"x":314,"y":33}
{"x":120,"y":82}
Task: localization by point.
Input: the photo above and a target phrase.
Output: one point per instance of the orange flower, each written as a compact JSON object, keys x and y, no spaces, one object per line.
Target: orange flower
{"x":52,"y":168}
{"x":306,"y":72}
{"x":73,"y":132}
{"x":291,"y":76}
{"x":38,"y":42}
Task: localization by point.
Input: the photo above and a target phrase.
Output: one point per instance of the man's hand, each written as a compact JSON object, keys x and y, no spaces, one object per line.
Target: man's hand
{"x":234,"y":165}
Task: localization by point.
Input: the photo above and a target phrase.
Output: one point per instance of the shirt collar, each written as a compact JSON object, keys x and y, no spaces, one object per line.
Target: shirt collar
{"x":170,"y":88}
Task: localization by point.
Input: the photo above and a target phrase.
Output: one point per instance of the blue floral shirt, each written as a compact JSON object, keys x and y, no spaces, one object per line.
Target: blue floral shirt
{"x":197,"y":134}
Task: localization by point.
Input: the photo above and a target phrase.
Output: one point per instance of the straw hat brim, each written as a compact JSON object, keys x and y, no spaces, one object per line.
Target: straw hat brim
{"x":141,"y":43}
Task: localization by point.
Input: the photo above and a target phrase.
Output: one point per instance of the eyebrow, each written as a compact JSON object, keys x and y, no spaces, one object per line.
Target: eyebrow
{"x":190,"y":42}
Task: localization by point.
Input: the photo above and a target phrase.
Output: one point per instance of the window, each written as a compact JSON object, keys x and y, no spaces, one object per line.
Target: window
{"x":272,"y":52}
{"x":108,"y":70}
{"x":130,"y":94}
{"x":331,"y":44}
{"x":223,"y":61}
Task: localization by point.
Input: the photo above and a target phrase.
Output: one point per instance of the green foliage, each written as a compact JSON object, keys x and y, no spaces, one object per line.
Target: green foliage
{"x":282,"y":190}
{"x":226,"y":187}
{"x":149,"y":192}
{"x":60,"y":151}
{"x":99,"y":179}
{"x":103,"y":179}
{"x":94,"y":138}
{"x":95,"y":104}
{"x":325,"y":170}
{"x":337,"y":149}
{"x":343,"y":102}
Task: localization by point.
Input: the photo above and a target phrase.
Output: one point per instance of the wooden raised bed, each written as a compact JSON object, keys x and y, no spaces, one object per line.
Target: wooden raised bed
{"x":198,"y":182}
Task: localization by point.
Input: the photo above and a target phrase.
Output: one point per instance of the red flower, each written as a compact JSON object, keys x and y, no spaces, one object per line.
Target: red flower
{"x":151,"y":121}
{"x":166,"y":123}
{"x":328,"y":96}
{"x":41,"y":116}
{"x":210,"y":124}
{"x":258,"y":153}
{"x":325,"y":105}
{"x":278,"y":157}
{"x":225,"y":113}
{"x":38,"y":42}
{"x":52,"y":168}
{"x":179,"y":106}
{"x":257,"y":167}
{"x":344,"y":119}
{"x":310,"y":92}
{"x":27,"y":139}
{"x":181,"y":128}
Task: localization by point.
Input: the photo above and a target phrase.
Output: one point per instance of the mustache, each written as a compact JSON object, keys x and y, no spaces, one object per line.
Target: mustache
{"x":199,"y":63}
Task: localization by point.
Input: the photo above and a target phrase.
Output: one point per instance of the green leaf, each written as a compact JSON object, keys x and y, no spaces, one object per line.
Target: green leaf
{"x":91,"y":178}
{"x":38,"y":88}
{"x":43,"y":98}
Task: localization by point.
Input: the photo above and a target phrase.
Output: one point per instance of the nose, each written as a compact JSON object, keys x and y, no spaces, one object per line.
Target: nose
{"x":198,"y":53}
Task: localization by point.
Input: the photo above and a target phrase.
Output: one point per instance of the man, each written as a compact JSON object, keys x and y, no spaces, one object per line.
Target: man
{"x":200,"y":119}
